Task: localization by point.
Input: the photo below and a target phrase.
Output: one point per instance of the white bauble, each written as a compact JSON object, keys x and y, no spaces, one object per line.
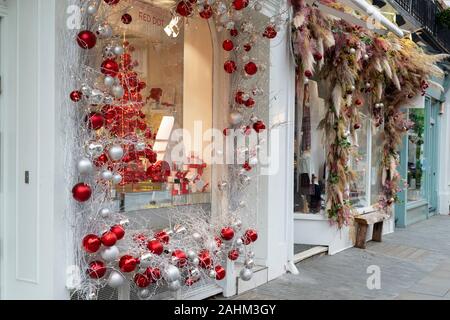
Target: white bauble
{"x":118,"y":91}
{"x":105,"y":212}
{"x":116,"y":280}
{"x":246,"y":274}
{"x":116,"y":153}
{"x":110,"y":254}
{"x":191,"y":255}
{"x":107,"y":175}
{"x":144,"y":294}
{"x":104,"y":31}
{"x":118,"y":50}
{"x":250,"y":264}
{"x":96,"y":96}
{"x":92,"y":9}
{"x":236,"y":118}
{"x":175,"y":285}
{"x":141,"y":146}
{"x":172,"y":274}
{"x":85,"y":166}
{"x":117,"y":178}
{"x":109,"y":81}
{"x":95,"y":150}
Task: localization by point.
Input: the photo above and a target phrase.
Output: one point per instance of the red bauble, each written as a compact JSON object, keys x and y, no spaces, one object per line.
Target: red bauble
{"x":86,"y":39}
{"x":318,"y":56}
{"x":112,"y":2}
{"x":163,"y":237}
{"x":227,"y":132}
{"x":191,"y":281}
{"x":205,"y":259}
{"x":247,"y":167}
{"x":153,"y":274}
{"x":184,"y":8}
{"x":118,"y":231}
{"x":233,"y":255}
{"x":234,"y":32}
{"x":96,"y":270}
{"x":218,"y":242}
{"x":359,"y":102}
{"x":308,"y":73}
{"x":227,"y":233}
{"x":240,"y":4}
{"x":127,"y":18}
{"x":96,"y":121}
{"x":76,"y":96}
{"x":239,"y":97}
{"x":270,"y":32}
{"x":251,"y":68}
{"x":249,"y":237}
{"x":259,"y":126}
{"x":155,"y":247}
{"x":128,"y":264}
{"x":220,"y":273}
{"x":109,"y":239}
{"x":141,"y":280}
{"x":110,"y":68}
{"x":230,"y":66}
{"x":248,"y":47}
{"x":250,"y":103}
{"x":357,"y":126}
{"x":91,"y":243}
{"x":180,"y":258}
{"x":207,"y":12}
{"x":82,"y":192}
{"x":228,"y":45}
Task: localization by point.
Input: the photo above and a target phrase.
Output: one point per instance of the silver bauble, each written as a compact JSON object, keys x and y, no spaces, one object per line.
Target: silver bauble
{"x":245,"y":180}
{"x":85,"y":89}
{"x":92,"y":9}
{"x":191,"y":254}
{"x":172,"y":274}
{"x":116,"y":153}
{"x":94,"y":149}
{"x":116,"y":280}
{"x":146,"y":260}
{"x":96,"y":96}
{"x":141,"y":146}
{"x":125,"y":223}
{"x":246,"y":274}
{"x":118,"y":91}
{"x":144,"y":294}
{"x":236,"y":118}
{"x":237,"y":224}
{"x":195,"y":273}
{"x":239,"y":242}
{"x":249,"y":263}
{"x":104,"y":31}
{"x":196,"y":261}
{"x":117,"y":178}
{"x":109,"y":81}
{"x":212,"y":274}
{"x":85,"y":166}
{"x":174,"y":285}
{"x":105,"y":212}
{"x":110,"y":254}
{"x":251,"y":254}
{"x":108,"y":100}
{"x":107,"y":175}
{"x":118,"y":50}
{"x":253,"y":161}
{"x":197,"y":236}
{"x":108,"y":51}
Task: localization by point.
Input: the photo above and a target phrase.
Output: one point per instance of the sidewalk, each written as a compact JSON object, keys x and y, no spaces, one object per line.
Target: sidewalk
{"x":414,"y":264}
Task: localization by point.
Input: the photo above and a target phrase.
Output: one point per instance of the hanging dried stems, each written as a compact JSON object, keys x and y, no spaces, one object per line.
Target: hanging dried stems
{"x":361,"y":69}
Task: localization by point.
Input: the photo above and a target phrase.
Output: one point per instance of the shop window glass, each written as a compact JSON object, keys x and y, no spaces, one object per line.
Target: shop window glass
{"x":416,"y":147}
{"x":375,"y":172}
{"x":310,"y":156}
{"x":359,"y":164}
{"x":177,"y":95}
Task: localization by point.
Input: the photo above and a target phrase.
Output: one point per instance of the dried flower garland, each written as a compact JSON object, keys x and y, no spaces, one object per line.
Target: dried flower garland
{"x":360,"y":68}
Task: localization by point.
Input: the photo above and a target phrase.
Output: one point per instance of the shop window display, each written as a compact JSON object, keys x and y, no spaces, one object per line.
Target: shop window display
{"x":167,"y":101}
{"x":416,"y":147}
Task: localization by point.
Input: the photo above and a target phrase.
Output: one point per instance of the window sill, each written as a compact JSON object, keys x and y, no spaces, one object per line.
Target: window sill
{"x":416,"y":204}
{"x":310,"y":216}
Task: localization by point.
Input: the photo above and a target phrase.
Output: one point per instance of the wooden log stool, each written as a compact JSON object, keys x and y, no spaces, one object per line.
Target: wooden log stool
{"x":364,"y":221}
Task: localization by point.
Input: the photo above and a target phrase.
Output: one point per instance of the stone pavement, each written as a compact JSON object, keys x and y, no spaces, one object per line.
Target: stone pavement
{"x":414,"y":264}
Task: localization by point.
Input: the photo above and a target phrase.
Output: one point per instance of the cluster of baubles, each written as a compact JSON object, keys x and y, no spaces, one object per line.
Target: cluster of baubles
{"x":119,"y":152}
{"x":162,"y":263}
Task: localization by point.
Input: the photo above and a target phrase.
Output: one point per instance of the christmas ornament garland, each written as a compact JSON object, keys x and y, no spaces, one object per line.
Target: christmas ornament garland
{"x":115,"y":149}
{"x":361,"y":68}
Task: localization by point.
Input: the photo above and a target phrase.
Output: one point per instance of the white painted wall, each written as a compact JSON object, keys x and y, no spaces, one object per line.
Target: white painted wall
{"x":33,"y":261}
{"x":444,"y":160}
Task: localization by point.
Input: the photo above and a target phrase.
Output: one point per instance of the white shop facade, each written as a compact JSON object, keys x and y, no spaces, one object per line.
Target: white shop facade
{"x":35,"y":196}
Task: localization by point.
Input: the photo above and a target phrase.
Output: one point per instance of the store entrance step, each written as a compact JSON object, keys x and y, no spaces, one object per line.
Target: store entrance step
{"x":313,"y":252}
